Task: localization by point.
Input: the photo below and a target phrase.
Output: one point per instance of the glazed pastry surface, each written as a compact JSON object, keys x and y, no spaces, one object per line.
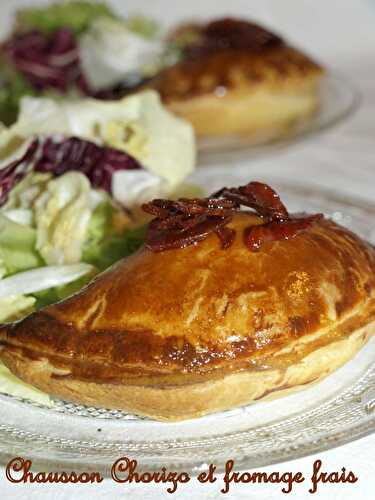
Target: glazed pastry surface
{"x":185,"y":315}
{"x":240,"y":71}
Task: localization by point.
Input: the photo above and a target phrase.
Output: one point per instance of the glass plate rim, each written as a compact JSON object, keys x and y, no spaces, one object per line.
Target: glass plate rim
{"x":288,"y":452}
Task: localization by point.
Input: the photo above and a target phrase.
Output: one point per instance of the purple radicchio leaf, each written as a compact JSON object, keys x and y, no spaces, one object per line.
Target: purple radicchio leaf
{"x":51,"y":61}
{"x":46,"y":61}
{"x":98,"y":163}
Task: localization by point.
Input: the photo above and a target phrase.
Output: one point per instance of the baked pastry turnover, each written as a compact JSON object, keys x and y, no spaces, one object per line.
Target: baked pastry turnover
{"x":235,"y":77}
{"x":231,"y":299}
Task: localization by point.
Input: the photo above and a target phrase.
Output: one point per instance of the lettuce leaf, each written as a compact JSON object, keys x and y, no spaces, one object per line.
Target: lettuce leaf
{"x":105,"y":244}
{"x":10,"y":384}
{"x":75,"y":14}
{"x":115,"y":248}
{"x":3,"y":269}
{"x":53,"y":295}
{"x":63,"y":213}
{"x":15,"y":307}
{"x":13,"y":87}
{"x":42,"y":278}
{"x":143,"y":25}
{"x":24,"y":194}
{"x":17,"y":246}
{"x":138,"y":125}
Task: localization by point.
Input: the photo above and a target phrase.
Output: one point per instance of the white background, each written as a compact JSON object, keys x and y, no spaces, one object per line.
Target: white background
{"x":341,"y":34}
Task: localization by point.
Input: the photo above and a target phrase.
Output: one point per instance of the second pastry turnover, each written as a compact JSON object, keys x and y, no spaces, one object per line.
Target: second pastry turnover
{"x":236,"y":77}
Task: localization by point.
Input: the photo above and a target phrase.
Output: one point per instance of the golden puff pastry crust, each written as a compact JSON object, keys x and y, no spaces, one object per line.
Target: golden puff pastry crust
{"x":185,"y":332}
{"x":242,"y":88}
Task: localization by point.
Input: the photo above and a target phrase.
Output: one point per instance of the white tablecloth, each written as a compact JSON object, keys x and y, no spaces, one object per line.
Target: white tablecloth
{"x":341,"y":34}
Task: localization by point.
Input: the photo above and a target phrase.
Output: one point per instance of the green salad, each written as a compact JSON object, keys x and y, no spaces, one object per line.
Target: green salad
{"x":73,"y":176}
{"x":77,"y":15}
{"x":55,"y":235}
{"x":76,"y":47}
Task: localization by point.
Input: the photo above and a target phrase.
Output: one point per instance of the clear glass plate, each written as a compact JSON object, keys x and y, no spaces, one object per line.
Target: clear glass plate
{"x":339,"y":99}
{"x":336,"y":410}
